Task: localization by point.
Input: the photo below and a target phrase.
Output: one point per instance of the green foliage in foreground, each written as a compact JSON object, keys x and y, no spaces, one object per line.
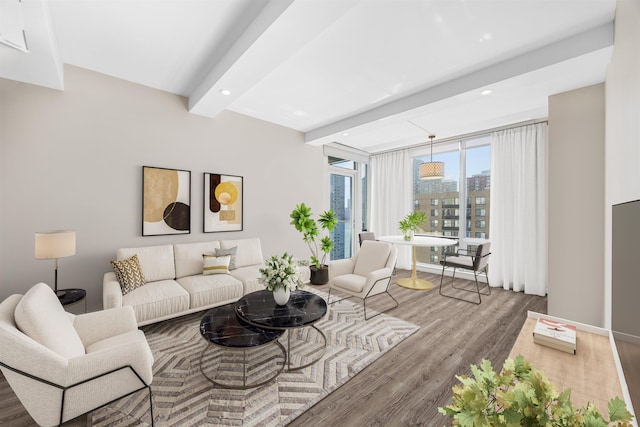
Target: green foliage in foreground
{"x":521,"y":395}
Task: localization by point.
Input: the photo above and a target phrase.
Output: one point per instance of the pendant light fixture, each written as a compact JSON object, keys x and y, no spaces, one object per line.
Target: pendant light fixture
{"x":431,"y":169}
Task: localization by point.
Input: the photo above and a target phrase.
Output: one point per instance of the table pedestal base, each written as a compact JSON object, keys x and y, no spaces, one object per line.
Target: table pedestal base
{"x":417,"y":284}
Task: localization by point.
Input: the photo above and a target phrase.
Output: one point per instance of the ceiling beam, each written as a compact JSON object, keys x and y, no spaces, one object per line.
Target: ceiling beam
{"x":266,"y":41}
{"x":202,"y":99}
{"x":589,"y":41}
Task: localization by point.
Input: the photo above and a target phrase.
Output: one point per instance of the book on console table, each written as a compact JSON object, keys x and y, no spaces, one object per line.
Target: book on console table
{"x":558,"y":335}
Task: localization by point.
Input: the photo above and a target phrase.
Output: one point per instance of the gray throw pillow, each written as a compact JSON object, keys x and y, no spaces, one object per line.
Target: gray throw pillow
{"x":232,"y":252}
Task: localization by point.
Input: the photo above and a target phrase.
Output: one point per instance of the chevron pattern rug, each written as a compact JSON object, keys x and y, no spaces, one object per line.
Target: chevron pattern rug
{"x":182,"y":396}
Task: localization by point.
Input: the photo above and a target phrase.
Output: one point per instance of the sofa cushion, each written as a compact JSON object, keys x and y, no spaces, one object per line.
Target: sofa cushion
{"x":249,"y":251}
{"x":157,"y":299}
{"x":40,"y":316}
{"x":249,"y":276}
{"x":215,"y":264}
{"x":129,"y":274}
{"x":373,"y":256}
{"x":189,"y":256}
{"x":156,"y":261}
{"x":232,"y":253}
{"x":210,"y":290}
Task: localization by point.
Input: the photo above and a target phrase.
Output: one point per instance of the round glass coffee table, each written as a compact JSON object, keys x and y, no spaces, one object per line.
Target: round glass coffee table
{"x":221,"y":326}
{"x":303,"y":309}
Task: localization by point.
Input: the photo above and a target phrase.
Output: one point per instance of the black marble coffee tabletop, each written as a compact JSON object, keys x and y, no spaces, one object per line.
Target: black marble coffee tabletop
{"x":260,"y":309}
{"x":221,"y":326}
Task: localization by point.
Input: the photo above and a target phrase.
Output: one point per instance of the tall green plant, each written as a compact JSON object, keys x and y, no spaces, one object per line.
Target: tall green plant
{"x":521,"y":395}
{"x":302,"y":220}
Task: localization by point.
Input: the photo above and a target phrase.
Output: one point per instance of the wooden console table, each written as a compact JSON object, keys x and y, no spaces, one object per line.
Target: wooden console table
{"x":594,"y":374}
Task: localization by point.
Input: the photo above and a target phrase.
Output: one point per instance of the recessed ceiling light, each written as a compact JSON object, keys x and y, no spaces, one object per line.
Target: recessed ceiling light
{"x":225,"y":92}
{"x":345,"y":133}
{"x":486,"y":92}
{"x":486,"y":36}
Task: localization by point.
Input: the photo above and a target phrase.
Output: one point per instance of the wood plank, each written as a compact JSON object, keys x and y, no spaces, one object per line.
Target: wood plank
{"x":407,"y":384}
{"x":593,"y":364}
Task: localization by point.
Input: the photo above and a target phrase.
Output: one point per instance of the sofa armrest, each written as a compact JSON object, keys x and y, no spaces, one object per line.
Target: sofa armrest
{"x":340,"y":267}
{"x":114,"y":321}
{"x":305,"y":273}
{"x":111,"y":292}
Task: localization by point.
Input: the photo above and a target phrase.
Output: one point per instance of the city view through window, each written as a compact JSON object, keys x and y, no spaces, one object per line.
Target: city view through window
{"x":467,"y":181}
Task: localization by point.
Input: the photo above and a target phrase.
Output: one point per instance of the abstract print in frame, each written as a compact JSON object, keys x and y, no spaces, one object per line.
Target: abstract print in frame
{"x":166,"y":201}
{"x":222,"y":203}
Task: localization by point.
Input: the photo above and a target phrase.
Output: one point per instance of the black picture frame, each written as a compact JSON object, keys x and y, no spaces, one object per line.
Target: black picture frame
{"x":166,"y":201}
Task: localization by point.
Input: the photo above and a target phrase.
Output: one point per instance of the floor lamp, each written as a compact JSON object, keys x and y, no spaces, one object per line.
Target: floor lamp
{"x":54,"y":245}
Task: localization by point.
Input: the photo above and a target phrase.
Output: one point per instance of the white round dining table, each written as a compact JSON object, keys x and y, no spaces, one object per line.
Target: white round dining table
{"x":413,"y":282}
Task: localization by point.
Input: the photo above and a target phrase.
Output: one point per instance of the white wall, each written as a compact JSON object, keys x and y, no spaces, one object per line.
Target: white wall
{"x":576,"y":196}
{"x":622,"y":158}
{"x":73,"y":159}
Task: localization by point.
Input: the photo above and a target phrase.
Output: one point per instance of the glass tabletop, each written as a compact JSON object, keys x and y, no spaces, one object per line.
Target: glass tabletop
{"x":260,"y":309}
{"x":221,"y":326}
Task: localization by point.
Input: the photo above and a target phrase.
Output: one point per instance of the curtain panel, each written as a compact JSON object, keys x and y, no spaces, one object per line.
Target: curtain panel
{"x":519,"y":209}
{"x":391,"y":197}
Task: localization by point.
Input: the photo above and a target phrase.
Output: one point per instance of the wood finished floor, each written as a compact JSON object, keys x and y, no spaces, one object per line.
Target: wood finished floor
{"x":405,"y":386}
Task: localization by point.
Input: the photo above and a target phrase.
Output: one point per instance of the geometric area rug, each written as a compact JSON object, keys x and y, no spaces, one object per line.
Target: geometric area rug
{"x":182,"y":396}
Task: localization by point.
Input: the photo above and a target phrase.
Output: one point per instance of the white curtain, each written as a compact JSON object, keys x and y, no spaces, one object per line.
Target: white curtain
{"x":519,"y":209}
{"x":391,"y":196}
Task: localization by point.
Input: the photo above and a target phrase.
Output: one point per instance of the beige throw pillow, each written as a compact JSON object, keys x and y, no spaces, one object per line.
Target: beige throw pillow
{"x":215,"y":264}
{"x":129,"y":274}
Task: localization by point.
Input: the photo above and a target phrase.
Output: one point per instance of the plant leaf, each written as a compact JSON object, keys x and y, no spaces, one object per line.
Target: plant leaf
{"x":618,"y":410}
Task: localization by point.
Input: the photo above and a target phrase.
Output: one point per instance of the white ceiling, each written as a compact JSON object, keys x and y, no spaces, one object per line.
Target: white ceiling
{"x":329,"y":67}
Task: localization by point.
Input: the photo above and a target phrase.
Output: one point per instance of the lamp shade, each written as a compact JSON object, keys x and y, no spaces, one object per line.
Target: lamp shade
{"x":431,"y":170}
{"x":55,"y":244}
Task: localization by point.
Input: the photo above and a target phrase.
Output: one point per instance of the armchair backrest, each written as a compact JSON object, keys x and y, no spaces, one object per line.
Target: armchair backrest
{"x":482,"y":256}
{"x":374,"y":255}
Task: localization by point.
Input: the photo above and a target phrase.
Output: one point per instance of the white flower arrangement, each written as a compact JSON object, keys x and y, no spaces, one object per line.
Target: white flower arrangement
{"x":281,"y":272}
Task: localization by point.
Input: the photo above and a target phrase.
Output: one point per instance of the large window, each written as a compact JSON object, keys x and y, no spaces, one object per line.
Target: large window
{"x":348,"y":199}
{"x":467,"y":179}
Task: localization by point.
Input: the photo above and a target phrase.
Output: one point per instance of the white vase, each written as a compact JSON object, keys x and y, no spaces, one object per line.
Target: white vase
{"x":281,"y":295}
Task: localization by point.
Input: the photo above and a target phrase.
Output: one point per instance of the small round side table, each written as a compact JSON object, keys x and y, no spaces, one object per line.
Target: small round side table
{"x":72,"y":296}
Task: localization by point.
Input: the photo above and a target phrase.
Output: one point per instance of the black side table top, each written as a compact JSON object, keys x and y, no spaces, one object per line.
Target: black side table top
{"x":260,"y":309}
{"x":70,"y":296}
{"x":221,"y":326}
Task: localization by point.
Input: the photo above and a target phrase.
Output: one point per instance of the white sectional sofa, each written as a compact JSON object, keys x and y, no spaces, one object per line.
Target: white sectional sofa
{"x":175,"y":283}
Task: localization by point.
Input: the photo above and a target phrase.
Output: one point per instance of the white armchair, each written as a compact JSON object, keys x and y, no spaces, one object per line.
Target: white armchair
{"x":367,"y":274}
{"x":60,"y":365}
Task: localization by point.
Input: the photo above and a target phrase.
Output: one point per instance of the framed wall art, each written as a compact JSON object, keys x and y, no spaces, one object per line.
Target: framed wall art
{"x":222,"y":203}
{"x":166,"y":201}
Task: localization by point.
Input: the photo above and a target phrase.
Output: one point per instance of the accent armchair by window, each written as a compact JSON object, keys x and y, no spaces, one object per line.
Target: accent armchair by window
{"x":60,"y":365}
{"x":477,"y":263}
{"x":366,"y":274}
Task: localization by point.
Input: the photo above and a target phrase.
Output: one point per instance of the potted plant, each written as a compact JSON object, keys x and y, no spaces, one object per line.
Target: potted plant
{"x":302,"y":220}
{"x":522,"y":395}
{"x":281,"y":276}
{"x":409,"y":225}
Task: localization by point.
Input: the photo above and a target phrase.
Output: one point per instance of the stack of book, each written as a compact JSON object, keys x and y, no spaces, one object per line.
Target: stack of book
{"x":561,"y":336}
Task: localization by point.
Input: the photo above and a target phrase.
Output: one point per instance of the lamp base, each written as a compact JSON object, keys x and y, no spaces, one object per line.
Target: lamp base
{"x":61,"y":293}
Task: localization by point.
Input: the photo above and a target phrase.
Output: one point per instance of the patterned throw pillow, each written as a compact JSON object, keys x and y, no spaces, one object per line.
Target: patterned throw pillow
{"x":231,"y":252}
{"x":216,"y":264}
{"x":129,"y":274}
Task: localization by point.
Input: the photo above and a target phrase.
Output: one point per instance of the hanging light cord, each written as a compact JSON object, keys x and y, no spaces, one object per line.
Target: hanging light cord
{"x":431,"y":136}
